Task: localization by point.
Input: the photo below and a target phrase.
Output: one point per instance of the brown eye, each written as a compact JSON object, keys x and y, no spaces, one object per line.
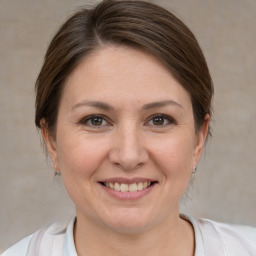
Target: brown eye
{"x":160,"y":120}
{"x":94,"y":120}
{"x":97,"y":121}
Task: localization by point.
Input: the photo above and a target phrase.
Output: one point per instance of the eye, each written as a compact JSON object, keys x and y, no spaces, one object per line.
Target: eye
{"x":95,"y":120}
{"x":160,"y":120}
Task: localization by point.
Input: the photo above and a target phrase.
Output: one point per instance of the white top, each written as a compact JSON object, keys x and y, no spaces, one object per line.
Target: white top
{"x":212,"y":239}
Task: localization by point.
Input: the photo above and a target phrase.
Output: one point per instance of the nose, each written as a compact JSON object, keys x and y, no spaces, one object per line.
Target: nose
{"x":128,"y":151}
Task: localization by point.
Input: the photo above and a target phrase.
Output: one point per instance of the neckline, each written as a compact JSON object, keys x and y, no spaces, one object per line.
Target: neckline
{"x":70,"y":250}
{"x":199,"y":244}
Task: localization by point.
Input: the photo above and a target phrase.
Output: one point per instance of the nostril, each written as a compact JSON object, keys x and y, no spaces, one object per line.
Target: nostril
{"x":128,"y":153}
{"x":128,"y":166}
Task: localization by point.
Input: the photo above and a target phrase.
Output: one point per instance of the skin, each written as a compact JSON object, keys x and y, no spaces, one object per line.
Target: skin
{"x":126,"y":141}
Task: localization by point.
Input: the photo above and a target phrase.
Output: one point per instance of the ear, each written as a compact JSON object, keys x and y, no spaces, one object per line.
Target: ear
{"x":200,"y":139}
{"x":50,"y":143}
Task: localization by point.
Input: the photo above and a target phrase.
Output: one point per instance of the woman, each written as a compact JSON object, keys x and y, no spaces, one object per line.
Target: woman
{"x":124,"y":106}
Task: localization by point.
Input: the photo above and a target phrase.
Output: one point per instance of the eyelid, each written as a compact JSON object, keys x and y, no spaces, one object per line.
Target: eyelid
{"x":169,"y":118}
{"x":85,"y":119}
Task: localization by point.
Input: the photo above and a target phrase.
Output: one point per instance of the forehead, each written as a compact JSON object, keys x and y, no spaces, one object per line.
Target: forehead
{"x":123,"y":74}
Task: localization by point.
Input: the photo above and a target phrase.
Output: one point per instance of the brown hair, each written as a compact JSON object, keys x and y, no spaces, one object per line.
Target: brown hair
{"x":136,"y":24}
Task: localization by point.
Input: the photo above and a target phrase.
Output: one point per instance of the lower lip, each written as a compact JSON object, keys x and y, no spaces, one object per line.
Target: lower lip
{"x":128,"y":195}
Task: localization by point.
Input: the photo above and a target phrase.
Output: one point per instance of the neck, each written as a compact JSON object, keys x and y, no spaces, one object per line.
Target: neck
{"x":175,"y":236}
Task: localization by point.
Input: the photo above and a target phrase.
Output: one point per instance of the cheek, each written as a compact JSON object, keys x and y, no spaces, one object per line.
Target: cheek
{"x":79,"y":161}
{"x":79,"y":156}
{"x":174,"y":156}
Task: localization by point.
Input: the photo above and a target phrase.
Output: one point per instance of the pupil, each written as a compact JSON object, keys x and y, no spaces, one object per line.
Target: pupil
{"x":97,"y":121}
{"x":158,"y":121}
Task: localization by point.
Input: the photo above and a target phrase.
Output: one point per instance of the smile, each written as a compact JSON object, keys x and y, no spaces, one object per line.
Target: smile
{"x":122,"y":187}
{"x":128,"y":189}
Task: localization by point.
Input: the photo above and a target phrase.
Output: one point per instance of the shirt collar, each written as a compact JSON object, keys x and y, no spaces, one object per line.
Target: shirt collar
{"x":199,"y":250}
{"x":69,"y":248}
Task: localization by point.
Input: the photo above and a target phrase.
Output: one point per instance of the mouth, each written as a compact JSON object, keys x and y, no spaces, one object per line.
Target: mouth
{"x":128,"y":187}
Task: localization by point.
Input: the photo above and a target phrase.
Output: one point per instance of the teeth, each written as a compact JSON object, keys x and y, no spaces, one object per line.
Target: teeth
{"x":133,"y":187}
{"x":117,"y":187}
{"x":128,"y":187}
{"x":140,"y":186}
{"x":124,"y":187}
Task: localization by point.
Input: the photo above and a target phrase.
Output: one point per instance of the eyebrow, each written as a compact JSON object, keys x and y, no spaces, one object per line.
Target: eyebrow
{"x":107,"y":107}
{"x":160,"y":104}
{"x":96,"y":104}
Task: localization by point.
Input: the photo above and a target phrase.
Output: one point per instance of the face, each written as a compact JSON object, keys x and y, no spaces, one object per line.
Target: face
{"x":125,"y":140}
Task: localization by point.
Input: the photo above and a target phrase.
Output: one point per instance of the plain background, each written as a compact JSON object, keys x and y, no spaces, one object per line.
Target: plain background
{"x":224,"y":188}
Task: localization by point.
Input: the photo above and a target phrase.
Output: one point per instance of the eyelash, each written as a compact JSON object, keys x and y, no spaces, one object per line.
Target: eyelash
{"x":170,"y":120}
{"x":84,"y":121}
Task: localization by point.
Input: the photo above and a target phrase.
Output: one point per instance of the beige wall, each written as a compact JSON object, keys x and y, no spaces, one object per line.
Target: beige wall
{"x":225,"y":186}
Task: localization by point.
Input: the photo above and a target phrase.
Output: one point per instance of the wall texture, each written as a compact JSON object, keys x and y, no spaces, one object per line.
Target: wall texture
{"x":224,"y":188}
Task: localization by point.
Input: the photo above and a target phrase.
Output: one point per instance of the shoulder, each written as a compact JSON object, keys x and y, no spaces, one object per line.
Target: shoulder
{"x":230,"y":230}
{"x":237,"y":239}
{"x":47,"y":239}
{"x":19,"y":249}
{"x":247,"y":231}
{"x":216,"y":238}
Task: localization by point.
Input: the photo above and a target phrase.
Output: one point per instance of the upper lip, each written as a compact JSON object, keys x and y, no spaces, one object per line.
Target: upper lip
{"x":123,"y":180}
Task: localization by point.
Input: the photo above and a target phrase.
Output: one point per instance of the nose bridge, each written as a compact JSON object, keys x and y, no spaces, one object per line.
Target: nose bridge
{"x":128,"y":151}
{"x":129,"y":141}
